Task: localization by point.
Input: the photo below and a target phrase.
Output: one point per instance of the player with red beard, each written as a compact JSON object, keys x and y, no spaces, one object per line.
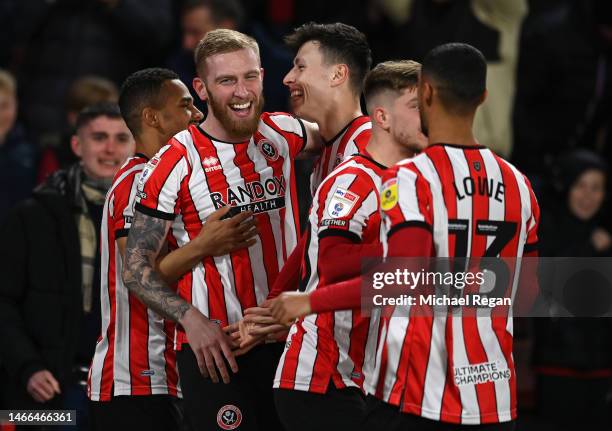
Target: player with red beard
{"x":238,"y":157}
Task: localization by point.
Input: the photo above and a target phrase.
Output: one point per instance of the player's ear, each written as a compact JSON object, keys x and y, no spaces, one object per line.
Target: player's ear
{"x":149,"y":117}
{"x":484,"y":96}
{"x":75,"y":145}
{"x":261,"y":73}
{"x":428,"y":92}
{"x":381,"y":118}
{"x":200,"y":88}
{"x":340,"y":74}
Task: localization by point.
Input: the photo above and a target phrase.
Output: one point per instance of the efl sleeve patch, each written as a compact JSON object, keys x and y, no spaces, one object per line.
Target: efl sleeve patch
{"x":341,"y":203}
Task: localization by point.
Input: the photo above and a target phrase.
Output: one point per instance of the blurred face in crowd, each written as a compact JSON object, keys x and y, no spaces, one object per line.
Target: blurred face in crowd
{"x":177,"y":110}
{"x":233,"y":87}
{"x":103,"y":145}
{"x":309,"y":81}
{"x":8,"y":112}
{"x":405,"y":121}
{"x":198,"y":21}
{"x":587,"y":194}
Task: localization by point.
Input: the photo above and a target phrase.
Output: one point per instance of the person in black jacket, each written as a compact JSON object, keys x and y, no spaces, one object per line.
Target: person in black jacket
{"x":50,"y":260}
{"x":573,"y":356}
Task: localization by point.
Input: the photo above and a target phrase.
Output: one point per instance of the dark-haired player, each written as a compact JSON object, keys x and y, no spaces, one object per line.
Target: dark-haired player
{"x":428,"y":211}
{"x":325,"y":85}
{"x":133,"y":377}
{"x":329,"y":355}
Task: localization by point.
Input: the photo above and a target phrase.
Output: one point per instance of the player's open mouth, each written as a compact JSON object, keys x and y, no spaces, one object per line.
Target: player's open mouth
{"x":242,"y":109}
{"x":296,"y":95}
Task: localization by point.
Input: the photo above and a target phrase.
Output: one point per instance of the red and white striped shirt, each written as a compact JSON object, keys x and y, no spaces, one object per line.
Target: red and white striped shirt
{"x":351,"y":140}
{"x":134,"y":355}
{"x":197,"y":174}
{"x":340,"y":346}
{"x":476,"y":204}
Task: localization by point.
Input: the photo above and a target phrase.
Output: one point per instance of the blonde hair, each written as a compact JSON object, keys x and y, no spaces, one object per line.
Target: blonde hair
{"x":221,"y":41}
{"x":392,"y":75}
{"x":8,"y":83}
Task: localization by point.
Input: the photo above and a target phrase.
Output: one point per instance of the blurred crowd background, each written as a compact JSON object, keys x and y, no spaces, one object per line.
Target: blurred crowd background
{"x":549,"y":111}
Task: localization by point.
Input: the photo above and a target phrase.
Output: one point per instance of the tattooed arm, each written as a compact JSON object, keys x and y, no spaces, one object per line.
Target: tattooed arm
{"x":208,"y":342}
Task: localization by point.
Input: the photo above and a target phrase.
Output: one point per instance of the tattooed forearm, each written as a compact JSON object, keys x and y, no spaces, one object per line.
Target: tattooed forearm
{"x":147,"y":235}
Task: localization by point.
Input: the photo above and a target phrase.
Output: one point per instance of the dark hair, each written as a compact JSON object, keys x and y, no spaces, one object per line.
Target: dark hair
{"x":140,"y":90}
{"x":340,"y":43}
{"x":391,"y":76}
{"x":102,"y":109}
{"x":459,"y":73}
{"x":220,"y":9}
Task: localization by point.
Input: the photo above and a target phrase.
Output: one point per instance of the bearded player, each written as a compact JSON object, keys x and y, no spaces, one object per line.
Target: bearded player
{"x":133,"y":376}
{"x":241,"y":158}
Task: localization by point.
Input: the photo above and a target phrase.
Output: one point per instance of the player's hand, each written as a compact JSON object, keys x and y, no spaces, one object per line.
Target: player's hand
{"x":218,"y":237}
{"x":42,"y":386}
{"x":289,"y":306}
{"x":210,"y":345}
{"x":239,"y":333}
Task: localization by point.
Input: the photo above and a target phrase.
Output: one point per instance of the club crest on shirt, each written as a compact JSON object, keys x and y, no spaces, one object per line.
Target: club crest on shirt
{"x":229,"y":417}
{"x":341,"y":203}
{"x":268,"y":149}
{"x":388,"y":197}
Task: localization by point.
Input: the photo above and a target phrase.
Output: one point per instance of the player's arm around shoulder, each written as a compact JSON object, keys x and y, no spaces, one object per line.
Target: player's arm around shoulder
{"x":314,"y":142}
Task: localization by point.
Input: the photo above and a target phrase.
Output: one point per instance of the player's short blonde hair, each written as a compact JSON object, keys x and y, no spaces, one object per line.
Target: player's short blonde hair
{"x":8,"y":84}
{"x":391,"y":76}
{"x":221,"y":41}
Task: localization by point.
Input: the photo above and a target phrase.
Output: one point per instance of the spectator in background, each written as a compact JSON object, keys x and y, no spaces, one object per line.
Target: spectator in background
{"x":17,"y":154}
{"x":50,"y":266}
{"x":564,"y":87}
{"x":573,"y":356}
{"x":198,"y":17}
{"x":66,"y":39}
{"x":491,"y":26}
{"x":84,"y":92}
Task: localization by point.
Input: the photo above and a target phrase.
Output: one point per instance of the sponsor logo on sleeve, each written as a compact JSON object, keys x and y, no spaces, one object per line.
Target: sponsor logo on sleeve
{"x":388,"y":197}
{"x":341,"y":203}
{"x":145,"y":174}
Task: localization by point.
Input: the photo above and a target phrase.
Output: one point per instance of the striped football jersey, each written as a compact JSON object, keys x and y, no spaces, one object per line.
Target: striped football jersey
{"x":456,"y":367}
{"x":197,"y":174}
{"x":338,"y":346}
{"x":135,"y":354}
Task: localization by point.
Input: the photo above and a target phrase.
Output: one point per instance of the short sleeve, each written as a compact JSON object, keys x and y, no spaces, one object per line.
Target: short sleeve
{"x":346,"y":203}
{"x":160,"y":182}
{"x":291,"y":128}
{"x":405,"y":199}
{"x":121,"y":205}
